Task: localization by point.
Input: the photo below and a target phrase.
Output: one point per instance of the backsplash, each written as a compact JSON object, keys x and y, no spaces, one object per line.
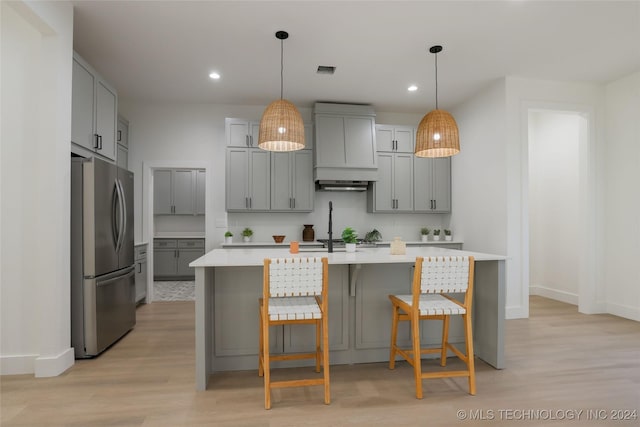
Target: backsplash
{"x":179,"y":223}
{"x":349,"y":210}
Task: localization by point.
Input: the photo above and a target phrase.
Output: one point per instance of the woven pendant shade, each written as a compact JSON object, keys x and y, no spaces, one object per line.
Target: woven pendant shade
{"x":437,"y":135}
{"x":281,"y":127}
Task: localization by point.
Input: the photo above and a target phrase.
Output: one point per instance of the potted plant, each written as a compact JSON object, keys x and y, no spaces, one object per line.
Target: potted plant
{"x":424,"y":232}
{"x":436,"y":234}
{"x":372,"y":236}
{"x":447,"y":234}
{"x":350,"y":238}
{"x":228,"y":237}
{"x":246,"y":234}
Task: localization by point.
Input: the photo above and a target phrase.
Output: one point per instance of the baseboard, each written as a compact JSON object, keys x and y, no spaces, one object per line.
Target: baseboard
{"x":632,"y":313}
{"x":554,"y":294}
{"x":515,"y":312}
{"x":17,"y":365}
{"x":49,"y":366}
{"x":52,"y":366}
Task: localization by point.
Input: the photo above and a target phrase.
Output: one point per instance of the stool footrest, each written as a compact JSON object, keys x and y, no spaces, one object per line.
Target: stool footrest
{"x":295,"y":356}
{"x":296,"y":383}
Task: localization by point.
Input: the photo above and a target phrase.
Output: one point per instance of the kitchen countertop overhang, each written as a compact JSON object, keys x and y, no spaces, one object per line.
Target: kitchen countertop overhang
{"x":255,"y":257}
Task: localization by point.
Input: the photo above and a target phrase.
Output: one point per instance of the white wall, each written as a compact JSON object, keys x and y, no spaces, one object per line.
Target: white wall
{"x":554,"y":143}
{"x":35,"y":187}
{"x":622,"y":202}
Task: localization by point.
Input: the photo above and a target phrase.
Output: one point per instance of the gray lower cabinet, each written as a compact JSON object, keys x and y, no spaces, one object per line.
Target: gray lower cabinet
{"x":171,"y":258}
{"x":234,"y":306}
{"x":373,"y":310}
{"x":292,"y":181}
{"x":141,"y":272}
{"x":393,"y":192}
{"x":432,"y":184}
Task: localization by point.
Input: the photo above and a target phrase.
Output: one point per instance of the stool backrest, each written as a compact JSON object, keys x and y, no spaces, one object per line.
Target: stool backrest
{"x":445,"y":274}
{"x":295,"y":276}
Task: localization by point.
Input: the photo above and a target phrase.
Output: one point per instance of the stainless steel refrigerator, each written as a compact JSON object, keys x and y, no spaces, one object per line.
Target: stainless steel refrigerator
{"x":103,"y":305}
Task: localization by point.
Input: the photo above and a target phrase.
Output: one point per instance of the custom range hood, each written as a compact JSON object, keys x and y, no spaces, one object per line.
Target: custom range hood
{"x":345,"y":147}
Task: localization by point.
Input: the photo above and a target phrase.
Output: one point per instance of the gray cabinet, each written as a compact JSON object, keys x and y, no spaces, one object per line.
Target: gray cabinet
{"x":93,"y":110}
{"x":344,"y":136}
{"x":432,"y":184}
{"x":242,"y":133}
{"x":248,"y":179}
{"x":122,"y":140}
{"x":393,"y":192}
{"x":399,"y":139}
{"x":171,"y":258}
{"x":141,"y":272}
{"x":292,"y":181}
{"x":178,"y":191}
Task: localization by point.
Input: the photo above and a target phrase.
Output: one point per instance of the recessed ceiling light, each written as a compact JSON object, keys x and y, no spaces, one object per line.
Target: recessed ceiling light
{"x":214,"y":75}
{"x":412,"y":88}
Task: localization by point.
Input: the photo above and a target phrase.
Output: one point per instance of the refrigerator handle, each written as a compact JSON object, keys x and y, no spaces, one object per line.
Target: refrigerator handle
{"x":123,"y":213}
{"x":114,"y":211}
{"x":122,"y":220}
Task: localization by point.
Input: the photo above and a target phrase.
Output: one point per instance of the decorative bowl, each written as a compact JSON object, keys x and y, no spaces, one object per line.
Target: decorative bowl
{"x":278,"y":239}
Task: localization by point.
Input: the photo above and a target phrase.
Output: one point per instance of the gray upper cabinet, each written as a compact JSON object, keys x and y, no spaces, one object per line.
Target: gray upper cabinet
{"x":175,"y":192}
{"x":242,"y":133}
{"x":248,"y":173}
{"x":292,"y":181}
{"x":393,"y":192}
{"x":122,"y":135}
{"x":432,"y":184}
{"x":345,"y":141}
{"x":398,"y":139}
{"x":122,"y":139}
{"x":93,"y":110}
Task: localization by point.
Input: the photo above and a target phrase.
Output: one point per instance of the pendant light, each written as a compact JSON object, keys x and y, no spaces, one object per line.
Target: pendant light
{"x":437,"y":134}
{"x":281,"y":126}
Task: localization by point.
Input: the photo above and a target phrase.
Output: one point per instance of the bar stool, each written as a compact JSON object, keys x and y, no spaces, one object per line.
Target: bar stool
{"x":294,"y":292}
{"x":433,"y":279}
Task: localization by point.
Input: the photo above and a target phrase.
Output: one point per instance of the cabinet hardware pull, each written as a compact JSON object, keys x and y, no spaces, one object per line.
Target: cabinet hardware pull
{"x":95,"y":141}
{"x":435,"y":204}
{"x":139,"y":267}
{"x":250,"y":202}
{"x":100,"y":142}
{"x":251,"y":140}
{"x":294,"y":203}
{"x":119,"y":135}
{"x":246,"y":140}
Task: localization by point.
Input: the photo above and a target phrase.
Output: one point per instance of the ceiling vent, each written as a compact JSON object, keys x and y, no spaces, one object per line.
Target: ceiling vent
{"x":326,"y":69}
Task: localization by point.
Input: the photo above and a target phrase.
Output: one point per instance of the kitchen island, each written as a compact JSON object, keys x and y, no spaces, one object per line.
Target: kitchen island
{"x":229,"y":283}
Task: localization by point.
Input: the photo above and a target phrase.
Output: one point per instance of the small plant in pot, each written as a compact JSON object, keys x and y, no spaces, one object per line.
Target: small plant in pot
{"x":436,"y":234}
{"x":372,"y":236}
{"x":447,"y":235}
{"x":246,"y":234}
{"x":228,"y":237}
{"x":350,"y":238}
{"x":424,"y":232}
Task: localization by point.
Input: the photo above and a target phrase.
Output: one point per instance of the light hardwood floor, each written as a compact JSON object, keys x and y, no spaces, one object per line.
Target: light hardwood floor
{"x":558,"y":360}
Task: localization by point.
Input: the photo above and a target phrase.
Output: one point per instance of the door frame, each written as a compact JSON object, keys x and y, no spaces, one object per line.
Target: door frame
{"x":147,"y":205}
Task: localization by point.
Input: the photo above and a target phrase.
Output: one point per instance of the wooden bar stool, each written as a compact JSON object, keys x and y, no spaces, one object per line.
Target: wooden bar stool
{"x":294,"y":293}
{"x":433,"y":279}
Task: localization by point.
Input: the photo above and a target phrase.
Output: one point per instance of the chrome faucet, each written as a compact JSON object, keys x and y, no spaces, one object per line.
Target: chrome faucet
{"x":330,"y":249}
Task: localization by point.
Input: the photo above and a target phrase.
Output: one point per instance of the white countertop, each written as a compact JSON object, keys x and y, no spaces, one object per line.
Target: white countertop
{"x":255,"y":257}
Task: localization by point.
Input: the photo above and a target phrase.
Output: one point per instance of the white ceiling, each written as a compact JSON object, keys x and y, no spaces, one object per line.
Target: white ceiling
{"x":163,"y":51}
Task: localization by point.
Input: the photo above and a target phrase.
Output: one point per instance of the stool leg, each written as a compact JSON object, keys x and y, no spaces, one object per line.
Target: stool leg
{"x":261,"y":345}
{"x":417,"y":366}
{"x":318,"y":349}
{"x":325,"y":358}
{"x":267,"y":369}
{"x":394,"y":337}
{"x":445,"y":341}
{"x":468,"y":335}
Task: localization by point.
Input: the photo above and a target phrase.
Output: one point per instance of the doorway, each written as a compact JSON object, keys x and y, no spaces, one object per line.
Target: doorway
{"x":559,"y":189}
